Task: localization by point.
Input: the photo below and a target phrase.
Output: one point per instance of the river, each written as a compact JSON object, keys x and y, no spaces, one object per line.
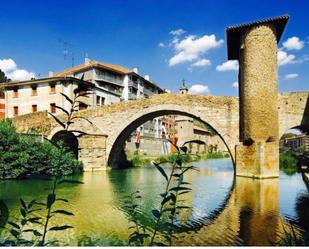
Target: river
{"x":226,"y":210}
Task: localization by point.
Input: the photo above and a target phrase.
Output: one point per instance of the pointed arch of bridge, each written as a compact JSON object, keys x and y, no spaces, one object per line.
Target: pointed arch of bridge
{"x":116,"y":142}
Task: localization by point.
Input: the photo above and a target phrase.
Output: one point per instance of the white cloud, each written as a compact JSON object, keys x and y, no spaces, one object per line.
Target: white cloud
{"x":235,"y":84}
{"x":192,"y":47}
{"x":20,"y":74}
{"x":228,"y":66}
{"x":161,"y":45}
{"x":293,"y":43}
{"x":9,"y":67}
{"x":201,"y":63}
{"x":284,"y":58}
{"x":199,"y":89}
{"x":177,"y":32}
{"x":290,"y":76}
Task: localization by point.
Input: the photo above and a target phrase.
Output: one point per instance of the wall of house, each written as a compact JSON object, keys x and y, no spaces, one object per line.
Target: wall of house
{"x":2,"y":108}
{"x":42,"y":99}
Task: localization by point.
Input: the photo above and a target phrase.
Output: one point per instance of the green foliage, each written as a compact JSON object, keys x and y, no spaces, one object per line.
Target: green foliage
{"x":288,"y":161}
{"x":216,"y":155}
{"x":22,"y":156}
{"x":171,"y":158}
{"x":166,"y":219}
{"x":101,"y":241}
{"x":137,"y":160}
{"x":3,"y":78}
{"x":4,"y":214}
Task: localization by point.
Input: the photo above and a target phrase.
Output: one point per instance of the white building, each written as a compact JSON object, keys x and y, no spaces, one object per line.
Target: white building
{"x":113,"y":83}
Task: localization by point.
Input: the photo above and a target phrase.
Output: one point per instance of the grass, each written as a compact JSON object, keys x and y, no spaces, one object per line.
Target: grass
{"x":137,"y":159}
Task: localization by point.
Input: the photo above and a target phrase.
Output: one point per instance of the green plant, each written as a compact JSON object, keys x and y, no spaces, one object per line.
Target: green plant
{"x":166,"y":218}
{"x":216,"y":155}
{"x":23,"y":156}
{"x":288,"y":161}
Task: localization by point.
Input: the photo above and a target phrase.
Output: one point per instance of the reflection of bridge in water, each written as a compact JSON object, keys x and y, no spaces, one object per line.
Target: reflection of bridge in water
{"x":249,"y":215}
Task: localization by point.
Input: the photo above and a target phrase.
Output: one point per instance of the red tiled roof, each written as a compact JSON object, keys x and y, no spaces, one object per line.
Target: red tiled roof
{"x":93,"y":64}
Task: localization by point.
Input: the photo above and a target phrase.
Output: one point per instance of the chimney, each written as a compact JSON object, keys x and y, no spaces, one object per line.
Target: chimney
{"x":147,"y":77}
{"x":50,"y":74}
{"x":135,"y":70}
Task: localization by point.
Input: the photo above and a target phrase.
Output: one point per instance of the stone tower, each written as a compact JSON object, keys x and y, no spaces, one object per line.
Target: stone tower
{"x":254,"y":45}
{"x":183,"y":89}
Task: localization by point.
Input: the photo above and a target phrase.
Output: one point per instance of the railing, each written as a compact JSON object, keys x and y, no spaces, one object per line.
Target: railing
{"x":148,"y":92}
{"x":132,"y":83}
{"x":109,"y":79}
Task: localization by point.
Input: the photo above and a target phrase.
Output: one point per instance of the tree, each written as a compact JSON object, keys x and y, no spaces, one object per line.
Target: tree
{"x":3,"y":78}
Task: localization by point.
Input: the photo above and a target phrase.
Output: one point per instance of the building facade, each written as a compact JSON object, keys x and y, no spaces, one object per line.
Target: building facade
{"x":297,"y":142}
{"x":113,"y":83}
{"x":44,"y":94}
{"x":2,"y":104}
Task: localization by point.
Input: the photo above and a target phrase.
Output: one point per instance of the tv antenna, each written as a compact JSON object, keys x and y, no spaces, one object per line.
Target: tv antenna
{"x":67,"y":52}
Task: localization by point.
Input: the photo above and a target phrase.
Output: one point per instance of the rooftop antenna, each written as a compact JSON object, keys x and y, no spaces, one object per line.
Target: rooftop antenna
{"x":65,"y":48}
{"x":67,"y":52}
{"x":72,"y":59}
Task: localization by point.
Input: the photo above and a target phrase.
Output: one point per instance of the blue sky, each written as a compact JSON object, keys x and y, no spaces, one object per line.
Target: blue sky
{"x":139,"y":33}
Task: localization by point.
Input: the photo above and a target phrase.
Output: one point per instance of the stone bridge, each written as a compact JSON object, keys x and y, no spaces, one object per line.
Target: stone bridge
{"x":250,"y":125}
{"x":111,"y":125}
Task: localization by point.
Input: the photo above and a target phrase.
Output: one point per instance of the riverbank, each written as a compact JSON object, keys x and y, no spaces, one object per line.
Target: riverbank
{"x":306,"y":179}
{"x":143,"y":159}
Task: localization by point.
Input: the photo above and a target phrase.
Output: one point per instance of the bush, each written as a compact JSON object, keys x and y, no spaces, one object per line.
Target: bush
{"x":288,"y":161}
{"x":216,"y":155}
{"x":138,"y":160}
{"x":22,"y":156}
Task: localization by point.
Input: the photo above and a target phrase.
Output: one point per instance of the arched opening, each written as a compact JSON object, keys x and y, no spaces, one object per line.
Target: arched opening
{"x":294,"y":150}
{"x":117,"y":157}
{"x":69,"y":140}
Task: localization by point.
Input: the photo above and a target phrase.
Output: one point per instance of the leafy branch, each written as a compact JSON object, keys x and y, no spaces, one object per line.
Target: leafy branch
{"x":166,"y":217}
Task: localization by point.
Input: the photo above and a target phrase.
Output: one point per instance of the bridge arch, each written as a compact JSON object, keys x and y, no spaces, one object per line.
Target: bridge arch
{"x":69,"y":140}
{"x":115,"y":146}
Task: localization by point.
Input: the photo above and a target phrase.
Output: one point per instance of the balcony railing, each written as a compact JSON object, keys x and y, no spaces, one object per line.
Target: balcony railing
{"x":109,"y":79}
{"x":132,"y":83}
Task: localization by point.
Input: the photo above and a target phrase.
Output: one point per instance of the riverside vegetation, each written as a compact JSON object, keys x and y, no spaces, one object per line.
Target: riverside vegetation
{"x":138,"y":159}
{"x":23,"y":156}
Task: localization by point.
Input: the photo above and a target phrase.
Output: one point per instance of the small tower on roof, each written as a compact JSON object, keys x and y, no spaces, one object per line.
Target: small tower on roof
{"x":183,"y":89}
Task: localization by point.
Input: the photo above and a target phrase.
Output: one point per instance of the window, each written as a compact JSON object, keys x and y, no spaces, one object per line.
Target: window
{"x":82,"y":106}
{"x":53,"y":108}
{"x":52,"y":88}
{"x":15,"y":110}
{"x":15,"y":93}
{"x":34,"y":108}
{"x":98,"y":100}
{"x":102,"y":101}
{"x":34,"y":90}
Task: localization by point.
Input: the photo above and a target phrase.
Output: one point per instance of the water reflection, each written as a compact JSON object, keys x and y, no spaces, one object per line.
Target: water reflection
{"x":225,"y":210}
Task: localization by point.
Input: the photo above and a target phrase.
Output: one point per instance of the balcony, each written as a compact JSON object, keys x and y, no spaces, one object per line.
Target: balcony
{"x":148,"y":92}
{"x":109,"y":79}
{"x":133,"y":84}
